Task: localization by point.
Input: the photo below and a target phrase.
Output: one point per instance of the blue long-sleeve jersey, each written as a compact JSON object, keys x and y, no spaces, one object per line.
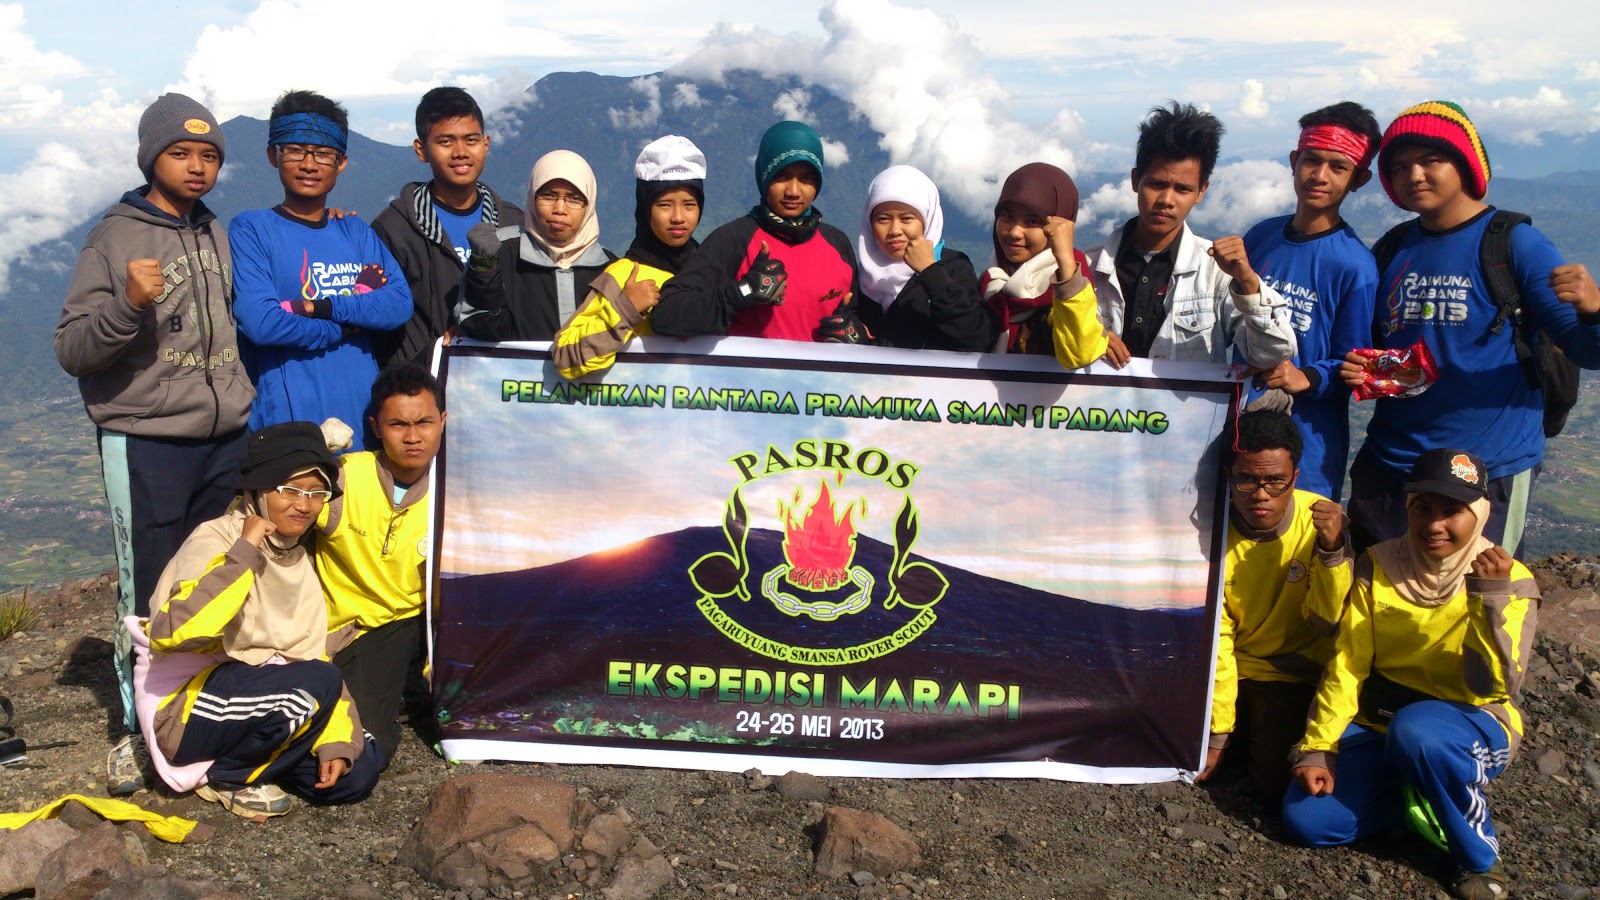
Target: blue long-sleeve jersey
{"x":308,"y":369}
{"x":1434,"y":290}
{"x":1329,"y":280}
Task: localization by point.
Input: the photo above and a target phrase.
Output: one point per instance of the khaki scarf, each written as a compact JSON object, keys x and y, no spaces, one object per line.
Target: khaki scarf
{"x":1420,"y":578}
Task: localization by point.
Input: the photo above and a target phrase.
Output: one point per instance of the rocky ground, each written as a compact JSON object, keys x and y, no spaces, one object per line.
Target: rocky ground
{"x":701,"y":834}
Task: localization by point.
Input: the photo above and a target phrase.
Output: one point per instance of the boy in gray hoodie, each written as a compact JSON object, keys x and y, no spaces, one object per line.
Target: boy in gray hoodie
{"x":147,"y":328}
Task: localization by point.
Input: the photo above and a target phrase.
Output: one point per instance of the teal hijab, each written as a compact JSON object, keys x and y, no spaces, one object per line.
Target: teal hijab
{"x":783,"y":144}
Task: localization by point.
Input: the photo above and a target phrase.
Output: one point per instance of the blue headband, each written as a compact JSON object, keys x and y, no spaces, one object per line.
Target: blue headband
{"x":310,"y":129}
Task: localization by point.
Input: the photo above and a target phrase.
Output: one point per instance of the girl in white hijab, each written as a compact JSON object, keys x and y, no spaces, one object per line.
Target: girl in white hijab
{"x":523,"y":281}
{"x":920,"y":293}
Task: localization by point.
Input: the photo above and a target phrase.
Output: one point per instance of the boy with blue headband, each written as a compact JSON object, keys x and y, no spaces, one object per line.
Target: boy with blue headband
{"x":311,"y":292}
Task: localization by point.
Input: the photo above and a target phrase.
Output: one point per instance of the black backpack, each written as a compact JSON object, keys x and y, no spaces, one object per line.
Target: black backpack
{"x":1543,"y":364}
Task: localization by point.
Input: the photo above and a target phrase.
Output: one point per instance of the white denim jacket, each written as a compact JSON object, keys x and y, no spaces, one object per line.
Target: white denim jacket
{"x":1203,"y":316}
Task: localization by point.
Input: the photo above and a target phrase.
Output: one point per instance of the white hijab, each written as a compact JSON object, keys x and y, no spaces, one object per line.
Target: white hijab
{"x":882,"y":276}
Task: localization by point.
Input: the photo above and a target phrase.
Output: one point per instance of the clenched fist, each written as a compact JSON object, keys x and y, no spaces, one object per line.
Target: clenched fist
{"x":144,"y":282}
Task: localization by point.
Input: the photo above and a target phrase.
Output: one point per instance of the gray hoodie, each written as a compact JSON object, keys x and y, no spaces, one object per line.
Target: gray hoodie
{"x":171,"y":370}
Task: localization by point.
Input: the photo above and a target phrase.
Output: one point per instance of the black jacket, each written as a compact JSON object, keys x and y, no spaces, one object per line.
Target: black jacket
{"x":432,"y":270}
{"x":940,"y":308}
{"x":520,"y":298}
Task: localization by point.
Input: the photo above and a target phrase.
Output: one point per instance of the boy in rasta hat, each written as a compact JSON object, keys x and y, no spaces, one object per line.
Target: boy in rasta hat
{"x":234,"y":689}
{"x":1434,"y":289}
{"x":669,"y":194}
{"x":778,"y":272}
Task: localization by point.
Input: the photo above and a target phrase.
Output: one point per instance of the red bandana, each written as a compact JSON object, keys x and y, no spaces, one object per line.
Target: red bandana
{"x":1340,"y":140}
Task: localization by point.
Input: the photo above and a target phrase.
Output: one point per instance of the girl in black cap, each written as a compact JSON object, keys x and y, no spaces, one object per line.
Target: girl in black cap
{"x":233,"y":687}
{"x":1419,"y":700}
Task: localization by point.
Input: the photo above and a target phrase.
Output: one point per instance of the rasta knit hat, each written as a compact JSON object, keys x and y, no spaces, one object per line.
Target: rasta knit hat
{"x":173,"y":118}
{"x":785,"y":143}
{"x":1442,"y":126}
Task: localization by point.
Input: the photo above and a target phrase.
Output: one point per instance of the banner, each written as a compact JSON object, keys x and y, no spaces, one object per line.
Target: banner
{"x":737,"y":553}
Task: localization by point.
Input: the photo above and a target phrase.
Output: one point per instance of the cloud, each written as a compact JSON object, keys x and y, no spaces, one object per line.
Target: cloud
{"x":1253,"y":100}
{"x":795,"y":106}
{"x":834,"y":153}
{"x":634,"y":117}
{"x":1242,"y":194}
{"x":27,"y":74}
{"x":1522,"y":120}
{"x":60,"y":187}
{"x":686,"y":94}
{"x":917,"y":79}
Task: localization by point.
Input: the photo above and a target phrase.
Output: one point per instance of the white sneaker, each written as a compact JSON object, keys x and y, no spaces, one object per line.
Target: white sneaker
{"x":126,"y":766}
{"x":248,"y":801}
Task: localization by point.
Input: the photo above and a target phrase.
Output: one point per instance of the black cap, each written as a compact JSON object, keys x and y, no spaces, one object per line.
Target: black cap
{"x":276,"y":452}
{"x":1457,"y":474}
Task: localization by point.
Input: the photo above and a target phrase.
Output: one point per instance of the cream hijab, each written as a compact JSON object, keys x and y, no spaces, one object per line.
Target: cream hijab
{"x":1420,"y":578}
{"x":571,"y":168}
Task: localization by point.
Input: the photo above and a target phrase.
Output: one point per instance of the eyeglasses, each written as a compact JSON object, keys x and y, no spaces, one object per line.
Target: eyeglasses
{"x":570,"y":201}
{"x":294,"y":494}
{"x":324,"y":156}
{"x":1249,"y":486}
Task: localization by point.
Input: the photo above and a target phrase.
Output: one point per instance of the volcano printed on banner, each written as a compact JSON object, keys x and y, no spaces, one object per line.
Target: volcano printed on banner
{"x":530,"y":652}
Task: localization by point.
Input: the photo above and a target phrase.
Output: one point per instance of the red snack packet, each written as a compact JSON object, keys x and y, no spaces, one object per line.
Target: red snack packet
{"x":1403,"y":372}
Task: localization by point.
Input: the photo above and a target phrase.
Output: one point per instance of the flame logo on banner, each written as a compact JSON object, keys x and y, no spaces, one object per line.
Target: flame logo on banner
{"x":821,"y":545}
{"x":819,"y":578}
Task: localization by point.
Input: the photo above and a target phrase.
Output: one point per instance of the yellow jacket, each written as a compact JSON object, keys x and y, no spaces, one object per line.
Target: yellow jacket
{"x":1390,"y":651}
{"x":604,"y":322}
{"x":222,"y":599}
{"x":1075,"y":327}
{"x":370,"y":551}
{"x":1281,"y":605}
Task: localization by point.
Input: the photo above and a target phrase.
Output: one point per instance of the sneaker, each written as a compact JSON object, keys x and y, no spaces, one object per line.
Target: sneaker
{"x":126,"y":766}
{"x":1494,"y":884}
{"x":249,"y":800}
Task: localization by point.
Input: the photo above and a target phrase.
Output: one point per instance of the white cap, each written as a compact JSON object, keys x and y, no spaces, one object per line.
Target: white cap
{"x":670,"y":158}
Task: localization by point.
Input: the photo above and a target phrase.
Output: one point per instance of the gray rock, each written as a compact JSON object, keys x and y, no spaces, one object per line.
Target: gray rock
{"x":863,"y":878}
{"x":482,"y":829}
{"x":1174,"y":812}
{"x":639,"y":879}
{"x":1549,"y":761}
{"x":1371,"y":877}
{"x":1173,"y":831}
{"x":606,"y":835}
{"x":804,"y":787}
{"x":1572,"y":892}
{"x":167,"y":887}
{"x":22,"y":852}
{"x":89,"y":863}
{"x":852,"y":839}
{"x":1278,"y":892}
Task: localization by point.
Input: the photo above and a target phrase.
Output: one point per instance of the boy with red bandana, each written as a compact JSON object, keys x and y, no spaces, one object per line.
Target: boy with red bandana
{"x":1321,"y":267}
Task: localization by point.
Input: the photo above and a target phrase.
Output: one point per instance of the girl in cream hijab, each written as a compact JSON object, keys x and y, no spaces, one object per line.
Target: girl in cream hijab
{"x":523,"y":281}
{"x":1418,"y":704}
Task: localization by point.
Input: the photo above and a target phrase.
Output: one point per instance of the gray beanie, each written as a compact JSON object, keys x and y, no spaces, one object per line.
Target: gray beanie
{"x":173,"y":118}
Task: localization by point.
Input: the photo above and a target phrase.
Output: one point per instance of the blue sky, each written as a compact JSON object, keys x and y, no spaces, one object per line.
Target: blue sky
{"x":1030,"y":78}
